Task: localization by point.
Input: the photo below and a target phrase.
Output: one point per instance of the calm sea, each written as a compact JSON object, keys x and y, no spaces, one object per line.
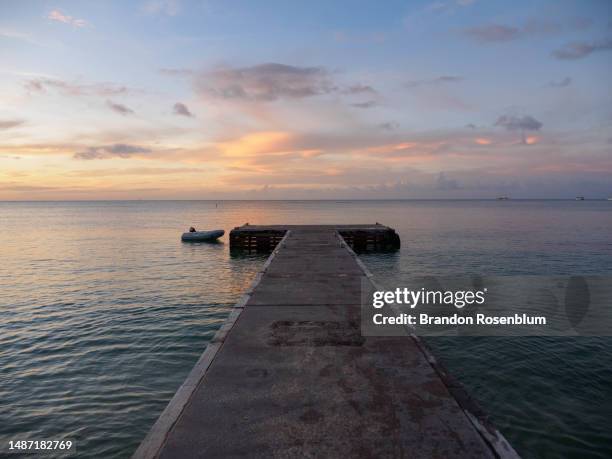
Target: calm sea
{"x":103,"y":311}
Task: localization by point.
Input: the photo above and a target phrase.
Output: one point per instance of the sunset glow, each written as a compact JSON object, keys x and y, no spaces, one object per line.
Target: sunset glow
{"x":179,"y":99}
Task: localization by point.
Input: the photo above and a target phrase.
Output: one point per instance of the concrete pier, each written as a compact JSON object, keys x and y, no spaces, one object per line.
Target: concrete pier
{"x":360,"y":238}
{"x":290,"y":375}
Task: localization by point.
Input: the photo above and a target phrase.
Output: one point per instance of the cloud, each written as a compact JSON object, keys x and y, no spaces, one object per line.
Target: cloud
{"x":518,"y":123}
{"x":140,"y":171}
{"x":257,"y":144}
{"x":330,"y":163}
{"x":359,"y":89}
{"x":77,"y":89}
{"x":34,"y":86}
{"x":389,"y":126}
{"x":266,"y":82}
{"x":366,"y":104}
{"x":119,"y":108}
{"x":482,"y":141}
{"x":118,"y":150}
{"x":21,"y":36}
{"x":561,"y":83}
{"x":578,"y":50}
{"x":57,"y":16}
{"x":9,"y":124}
{"x":182,"y":110}
{"x":434,"y":81}
{"x":522,"y":124}
{"x":167,"y":7}
{"x":14,"y":35}
{"x":496,"y":33}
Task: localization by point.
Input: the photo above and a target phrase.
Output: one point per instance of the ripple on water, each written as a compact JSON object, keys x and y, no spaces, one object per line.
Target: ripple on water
{"x":104,"y":312}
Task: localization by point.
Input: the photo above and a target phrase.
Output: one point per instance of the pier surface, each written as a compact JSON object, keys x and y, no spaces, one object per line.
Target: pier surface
{"x":361,"y":238}
{"x":289,"y":374}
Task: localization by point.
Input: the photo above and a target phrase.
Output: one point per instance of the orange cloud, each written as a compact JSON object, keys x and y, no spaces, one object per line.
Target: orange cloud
{"x":312,"y":153}
{"x":267,"y":142}
{"x":482,"y":141}
{"x":392,"y":147}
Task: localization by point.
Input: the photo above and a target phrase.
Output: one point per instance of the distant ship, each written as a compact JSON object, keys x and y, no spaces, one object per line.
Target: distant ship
{"x":609,"y":199}
{"x":579,"y":198}
{"x":502,"y":198}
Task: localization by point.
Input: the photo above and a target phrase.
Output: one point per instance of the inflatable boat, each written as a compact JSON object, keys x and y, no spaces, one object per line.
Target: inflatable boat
{"x":202,"y":236}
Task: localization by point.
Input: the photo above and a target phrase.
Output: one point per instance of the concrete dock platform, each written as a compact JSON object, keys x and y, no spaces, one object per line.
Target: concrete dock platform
{"x":361,"y":238}
{"x":290,"y":375}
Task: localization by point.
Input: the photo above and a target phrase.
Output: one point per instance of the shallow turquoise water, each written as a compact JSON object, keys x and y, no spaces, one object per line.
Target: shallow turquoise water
{"x":103,"y":310}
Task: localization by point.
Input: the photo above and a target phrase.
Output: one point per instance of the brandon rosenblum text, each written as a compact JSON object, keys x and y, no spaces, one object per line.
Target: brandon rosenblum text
{"x":456,"y":319}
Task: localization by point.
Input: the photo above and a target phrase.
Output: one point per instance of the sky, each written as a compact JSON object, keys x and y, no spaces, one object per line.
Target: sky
{"x":178,"y":99}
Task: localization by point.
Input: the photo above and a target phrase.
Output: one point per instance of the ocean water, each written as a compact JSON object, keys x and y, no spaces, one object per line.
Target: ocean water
{"x":103,"y":311}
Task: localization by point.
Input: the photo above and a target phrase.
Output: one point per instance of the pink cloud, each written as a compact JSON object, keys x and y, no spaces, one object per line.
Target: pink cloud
{"x":58,"y":16}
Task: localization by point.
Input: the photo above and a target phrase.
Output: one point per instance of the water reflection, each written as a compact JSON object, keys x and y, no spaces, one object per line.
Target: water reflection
{"x":104,"y":311}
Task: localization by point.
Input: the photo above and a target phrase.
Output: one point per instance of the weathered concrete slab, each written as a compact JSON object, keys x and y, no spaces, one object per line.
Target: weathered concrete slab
{"x":326,"y":259}
{"x":310,"y":291}
{"x":286,"y":393}
{"x":294,"y":377}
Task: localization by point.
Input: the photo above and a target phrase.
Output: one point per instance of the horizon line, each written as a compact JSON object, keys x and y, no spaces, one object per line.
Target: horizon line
{"x":308,"y":200}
